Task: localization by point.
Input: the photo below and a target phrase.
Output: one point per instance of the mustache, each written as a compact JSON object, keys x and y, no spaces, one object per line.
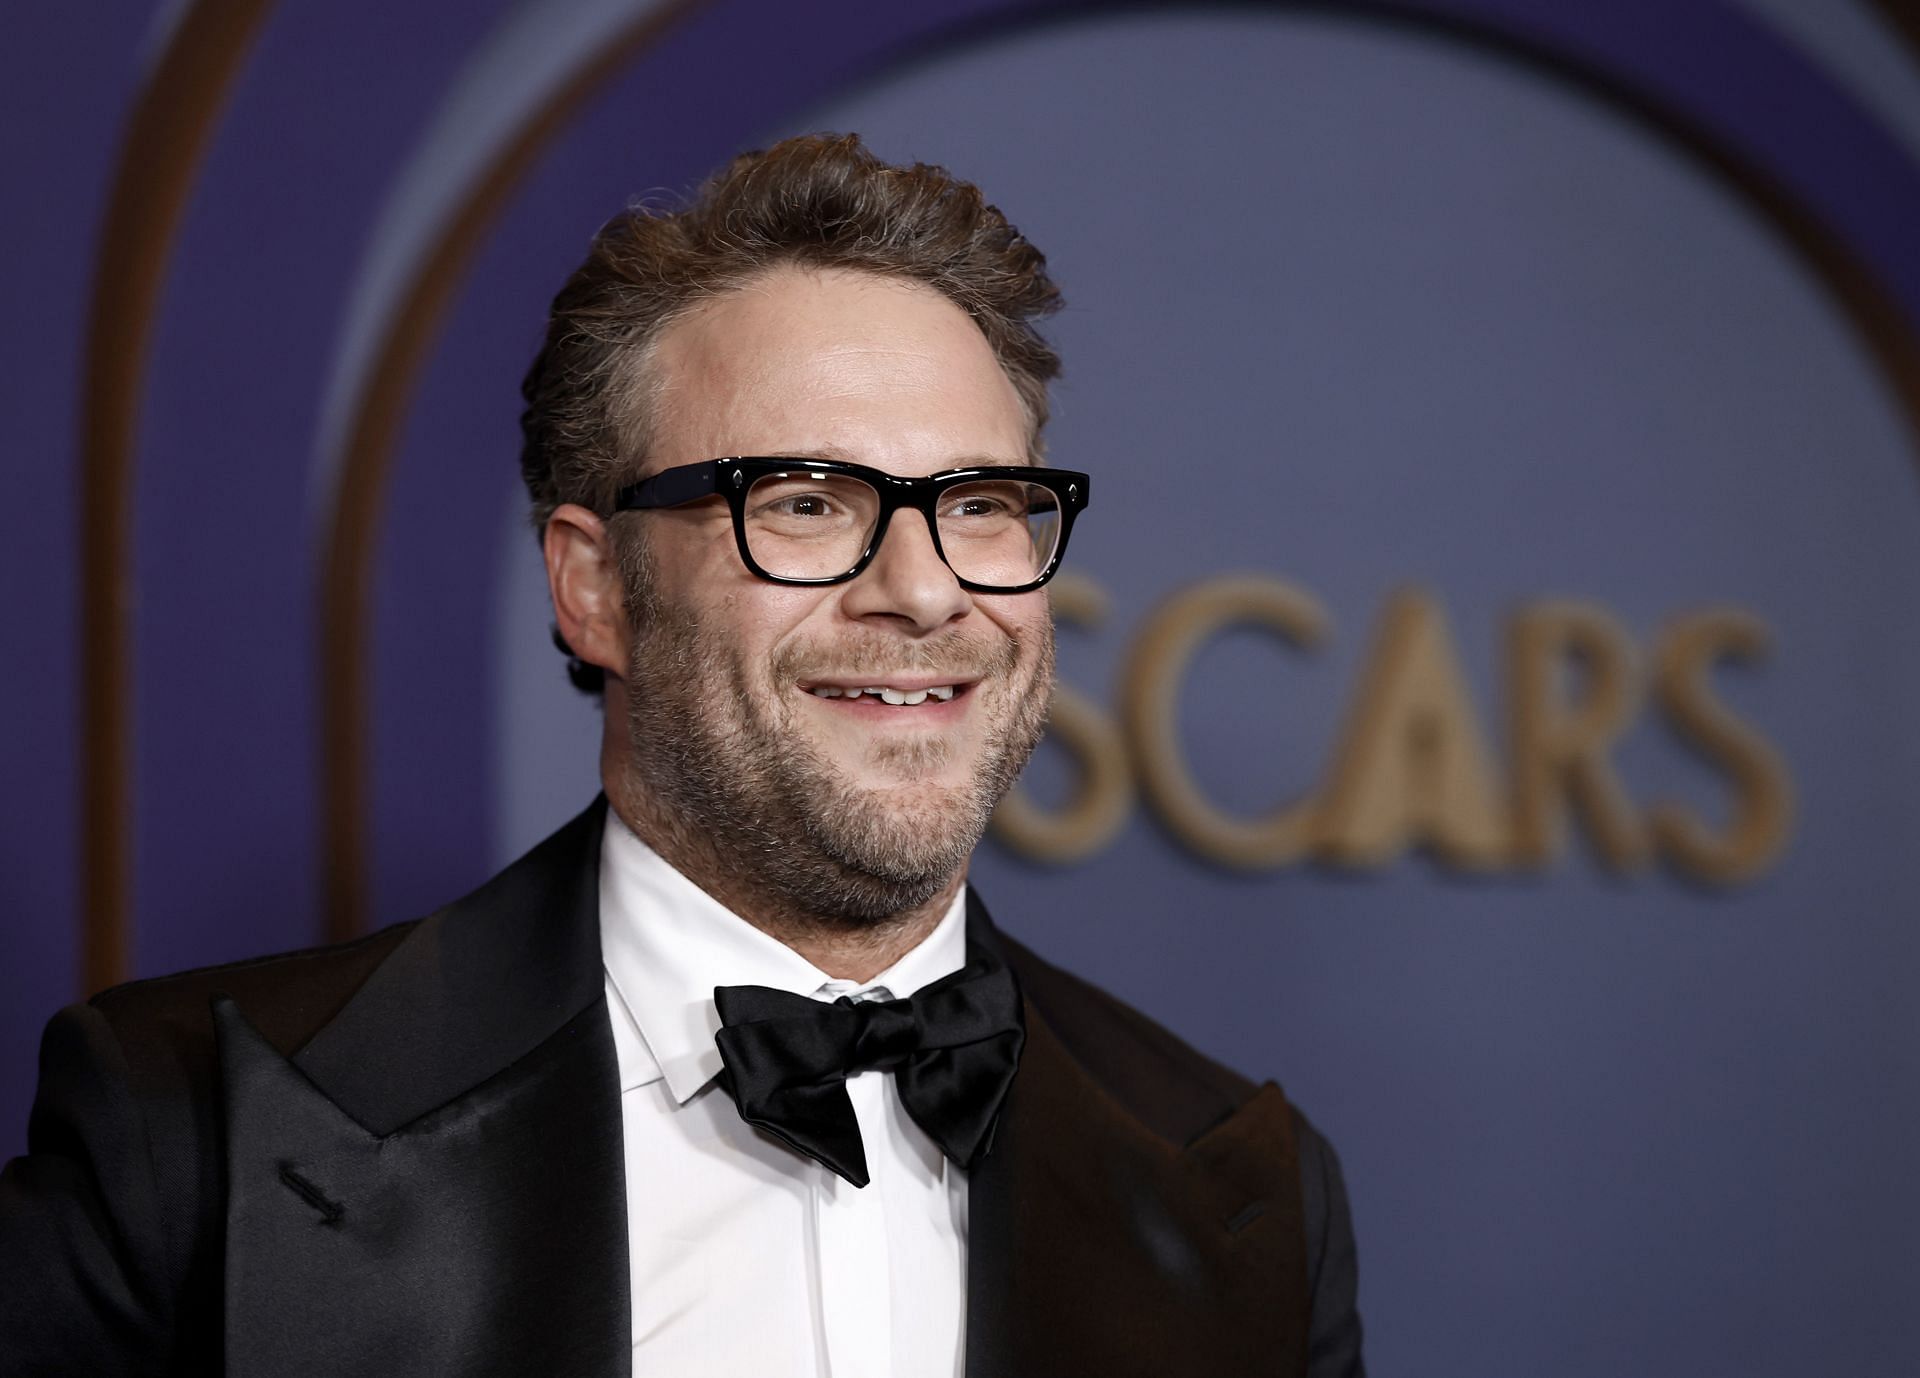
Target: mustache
{"x":956,"y":655}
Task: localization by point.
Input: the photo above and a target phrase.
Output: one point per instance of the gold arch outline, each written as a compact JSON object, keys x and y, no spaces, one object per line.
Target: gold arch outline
{"x":345,"y":671}
{"x":167,"y":133}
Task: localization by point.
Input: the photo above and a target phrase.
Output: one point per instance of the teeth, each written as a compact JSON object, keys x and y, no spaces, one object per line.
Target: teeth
{"x":899,"y":697}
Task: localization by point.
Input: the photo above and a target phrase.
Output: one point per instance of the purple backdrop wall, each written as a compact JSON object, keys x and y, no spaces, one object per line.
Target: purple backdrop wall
{"x":1587,"y":1122}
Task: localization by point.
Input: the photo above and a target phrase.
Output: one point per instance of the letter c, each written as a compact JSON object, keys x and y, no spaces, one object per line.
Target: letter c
{"x":1155,"y":673}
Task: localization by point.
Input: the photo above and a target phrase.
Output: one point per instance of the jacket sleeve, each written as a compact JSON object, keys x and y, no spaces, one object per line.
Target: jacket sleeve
{"x":1333,"y":1277}
{"x":82,"y":1269}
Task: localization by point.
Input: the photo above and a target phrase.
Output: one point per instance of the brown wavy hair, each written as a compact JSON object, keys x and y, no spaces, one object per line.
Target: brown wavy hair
{"x":818,"y":201}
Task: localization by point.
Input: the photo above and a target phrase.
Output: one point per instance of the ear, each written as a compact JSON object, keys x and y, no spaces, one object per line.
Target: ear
{"x":583,"y":575}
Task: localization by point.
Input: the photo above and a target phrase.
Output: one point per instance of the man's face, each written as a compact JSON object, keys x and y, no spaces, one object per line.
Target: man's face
{"x":852,"y":807}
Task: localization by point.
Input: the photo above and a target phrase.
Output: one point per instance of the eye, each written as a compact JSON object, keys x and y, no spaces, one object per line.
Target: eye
{"x":804,"y":505}
{"x":786,"y":502}
{"x":979,"y":507}
{"x":979,"y":502}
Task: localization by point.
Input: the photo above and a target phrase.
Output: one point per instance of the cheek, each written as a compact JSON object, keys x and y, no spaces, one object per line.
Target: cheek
{"x":703,"y":575}
{"x":757,"y":622}
{"x":1025,"y":617}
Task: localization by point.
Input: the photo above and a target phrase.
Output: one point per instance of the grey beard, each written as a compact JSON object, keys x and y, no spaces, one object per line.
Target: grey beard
{"x":753,"y":796}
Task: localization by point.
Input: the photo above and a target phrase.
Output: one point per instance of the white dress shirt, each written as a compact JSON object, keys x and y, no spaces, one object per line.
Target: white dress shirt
{"x":746,"y":1257}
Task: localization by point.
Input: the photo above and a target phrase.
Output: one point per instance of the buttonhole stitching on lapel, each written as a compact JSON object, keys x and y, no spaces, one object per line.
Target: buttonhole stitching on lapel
{"x":1245,"y":1216}
{"x":331,"y":1211}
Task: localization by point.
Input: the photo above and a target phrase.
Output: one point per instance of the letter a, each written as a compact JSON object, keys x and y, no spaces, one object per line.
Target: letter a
{"x":1412,"y":766}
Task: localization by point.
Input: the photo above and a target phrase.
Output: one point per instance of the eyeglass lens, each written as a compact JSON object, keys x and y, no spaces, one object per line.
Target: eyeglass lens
{"x":813,"y":525}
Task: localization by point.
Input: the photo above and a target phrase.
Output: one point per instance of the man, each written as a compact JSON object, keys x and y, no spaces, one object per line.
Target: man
{"x":733,"y":1074}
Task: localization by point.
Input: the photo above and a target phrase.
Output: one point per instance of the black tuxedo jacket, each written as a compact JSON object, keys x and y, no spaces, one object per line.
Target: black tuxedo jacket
{"x":402,"y":1156}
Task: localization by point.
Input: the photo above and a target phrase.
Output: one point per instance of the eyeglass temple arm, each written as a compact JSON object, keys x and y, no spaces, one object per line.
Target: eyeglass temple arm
{"x":671,"y":487}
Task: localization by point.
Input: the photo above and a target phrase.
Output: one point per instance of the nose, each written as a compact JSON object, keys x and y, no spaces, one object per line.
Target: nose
{"x":907,"y":583}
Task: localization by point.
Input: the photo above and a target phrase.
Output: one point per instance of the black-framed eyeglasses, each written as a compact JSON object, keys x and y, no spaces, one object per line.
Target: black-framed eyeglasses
{"x":1000,"y":528}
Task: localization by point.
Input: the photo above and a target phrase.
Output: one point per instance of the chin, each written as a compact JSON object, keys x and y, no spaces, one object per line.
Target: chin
{"x":872,"y":862}
{"x":916,"y":805}
{"x":908,"y":814}
{"x":910,"y":787}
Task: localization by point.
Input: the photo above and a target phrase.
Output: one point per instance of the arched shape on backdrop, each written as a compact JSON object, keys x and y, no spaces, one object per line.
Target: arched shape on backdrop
{"x":468,"y":165}
{"x":172,"y":122}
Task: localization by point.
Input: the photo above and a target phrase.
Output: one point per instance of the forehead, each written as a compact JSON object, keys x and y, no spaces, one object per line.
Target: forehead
{"x":837,"y":364}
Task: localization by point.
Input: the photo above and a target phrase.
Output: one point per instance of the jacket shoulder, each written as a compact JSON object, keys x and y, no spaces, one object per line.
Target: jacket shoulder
{"x":287,"y":996}
{"x":162,"y":1027}
{"x":162,"y":1039}
{"x":122,"y":1187}
{"x":1172,"y":1088}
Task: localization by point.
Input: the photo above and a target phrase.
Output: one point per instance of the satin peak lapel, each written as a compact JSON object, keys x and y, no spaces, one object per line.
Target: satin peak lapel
{"x":1098,"y":1248}
{"x":434,"y":1185}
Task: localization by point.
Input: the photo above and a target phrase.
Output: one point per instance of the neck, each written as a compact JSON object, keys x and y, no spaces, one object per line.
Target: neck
{"x":844,"y":950}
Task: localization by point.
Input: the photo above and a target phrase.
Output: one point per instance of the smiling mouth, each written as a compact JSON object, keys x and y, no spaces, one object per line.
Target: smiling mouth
{"x":900,"y":696}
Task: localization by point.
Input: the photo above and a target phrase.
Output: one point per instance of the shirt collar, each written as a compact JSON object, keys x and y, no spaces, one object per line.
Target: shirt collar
{"x":667,"y":943}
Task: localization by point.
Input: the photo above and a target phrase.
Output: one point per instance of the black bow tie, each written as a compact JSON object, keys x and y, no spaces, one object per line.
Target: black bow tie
{"x":953,"y":1048}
